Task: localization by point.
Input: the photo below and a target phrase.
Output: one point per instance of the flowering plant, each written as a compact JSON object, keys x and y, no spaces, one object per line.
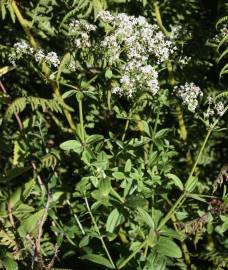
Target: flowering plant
{"x":113,"y":136}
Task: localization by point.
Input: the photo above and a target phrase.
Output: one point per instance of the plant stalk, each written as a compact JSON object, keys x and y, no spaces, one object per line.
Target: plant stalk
{"x":99,"y":234}
{"x":45,"y":69}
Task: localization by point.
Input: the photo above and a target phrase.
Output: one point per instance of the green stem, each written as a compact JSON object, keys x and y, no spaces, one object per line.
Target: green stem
{"x":201,"y":150}
{"x":154,"y":131}
{"x":183,"y":196}
{"x":109,"y":99}
{"x":132,"y":255}
{"x":171,"y":211}
{"x":99,"y":234}
{"x":81,"y":120}
{"x":45,"y":69}
{"x":126,"y":127}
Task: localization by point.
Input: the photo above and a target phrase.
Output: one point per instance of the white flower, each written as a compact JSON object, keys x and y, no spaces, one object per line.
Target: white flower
{"x":184,"y":60}
{"x":105,"y":16}
{"x":39,"y":55}
{"x":189,"y":93}
{"x":219,"y":107}
{"x":23,"y":47}
{"x":52,"y":59}
{"x":117,"y":90}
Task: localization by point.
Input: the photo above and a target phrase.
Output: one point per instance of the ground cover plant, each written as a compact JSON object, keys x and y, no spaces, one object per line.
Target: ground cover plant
{"x":114,"y":143}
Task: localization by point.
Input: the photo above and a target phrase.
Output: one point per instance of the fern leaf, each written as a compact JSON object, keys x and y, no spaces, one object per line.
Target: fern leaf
{"x":222,"y":55}
{"x":222,"y":20}
{"x":28,"y":188}
{"x":56,"y":104}
{"x":18,"y":105}
{"x":67,"y":16}
{"x":224,"y":39}
{"x":222,"y":95}
{"x":50,"y":160}
{"x":224,"y":70}
{"x":8,"y":239}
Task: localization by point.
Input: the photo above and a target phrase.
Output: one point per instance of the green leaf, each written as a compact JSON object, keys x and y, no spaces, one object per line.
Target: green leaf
{"x":15,"y":197}
{"x":28,"y":187}
{"x":85,"y":241}
{"x":31,"y":223}
{"x":146,"y":218}
{"x":161,"y":133}
{"x":108,"y":74}
{"x":127,"y":167}
{"x":69,"y":94}
{"x":9,"y":264}
{"x":94,"y":138}
{"x":114,"y":220}
{"x":105,"y":187}
{"x":176,"y":180}
{"x":191,"y":183}
{"x":98,"y":259}
{"x":64,"y":62}
{"x":71,"y":145}
{"x":146,"y":128}
{"x":118,"y":175}
{"x":168,"y":247}
{"x":136,"y":201}
{"x":5,"y":70}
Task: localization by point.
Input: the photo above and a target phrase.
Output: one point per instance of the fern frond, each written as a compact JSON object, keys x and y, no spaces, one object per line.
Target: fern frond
{"x":224,"y":70}
{"x":222,"y":55}
{"x":222,"y":95}
{"x":224,"y":39}
{"x":217,"y":257}
{"x":8,"y":239}
{"x":50,"y":160}
{"x":222,"y":20}
{"x":18,"y":105}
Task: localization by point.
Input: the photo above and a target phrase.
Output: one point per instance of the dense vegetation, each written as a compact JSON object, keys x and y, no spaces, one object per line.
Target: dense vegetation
{"x":113,"y":134}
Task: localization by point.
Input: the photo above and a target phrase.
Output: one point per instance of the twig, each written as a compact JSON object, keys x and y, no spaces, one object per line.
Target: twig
{"x":41,"y":223}
{"x":42,"y":186}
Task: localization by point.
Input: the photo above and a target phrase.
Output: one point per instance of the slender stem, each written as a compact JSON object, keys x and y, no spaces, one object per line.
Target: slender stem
{"x":183,"y":245}
{"x":99,"y":234}
{"x":159,"y":19}
{"x":81,"y":120}
{"x":23,"y":24}
{"x":201,"y":150}
{"x":76,"y":218}
{"x":132,"y":255}
{"x":126,"y":127}
{"x":45,"y":69}
{"x":109,"y":100}
{"x":183,"y":196}
{"x":154,"y":131}
{"x":171,"y":211}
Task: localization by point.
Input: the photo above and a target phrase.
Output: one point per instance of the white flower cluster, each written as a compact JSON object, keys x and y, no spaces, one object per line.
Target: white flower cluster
{"x":81,"y":32}
{"x":217,"y":108}
{"x":22,"y":48}
{"x":184,"y":60}
{"x":137,"y":78}
{"x":136,"y":37}
{"x":141,"y":45}
{"x":52,"y":59}
{"x":189,"y":94}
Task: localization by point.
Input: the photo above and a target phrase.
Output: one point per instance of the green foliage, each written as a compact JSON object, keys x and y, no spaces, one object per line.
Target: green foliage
{"x":102,"y":165}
